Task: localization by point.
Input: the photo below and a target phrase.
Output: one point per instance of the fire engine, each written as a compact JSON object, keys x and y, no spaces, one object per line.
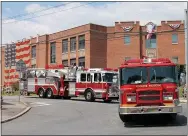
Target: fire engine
{"x":148,"y":86}
{"x":67,"y":82}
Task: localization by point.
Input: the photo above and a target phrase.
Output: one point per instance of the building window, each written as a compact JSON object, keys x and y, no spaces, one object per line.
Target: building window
{"x":52,"y":53}
{"x":33,"y":52}
{"x":127,"y":39}
{"x":81,"y":61}
{"x":33,"y":66}
{"x":81,"y":42}
{"x":73,"y":62}
{"x":175,"y":60}
{"x":65,"y":46}
{"x":151,"y":43}
{"x":73,"y":44}
{"x":65,"y":62}
{"x":127,"y":58}
{"x":174,"y":38}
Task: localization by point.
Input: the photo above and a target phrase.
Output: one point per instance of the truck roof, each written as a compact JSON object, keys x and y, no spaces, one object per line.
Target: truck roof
{"x":147,"y":62}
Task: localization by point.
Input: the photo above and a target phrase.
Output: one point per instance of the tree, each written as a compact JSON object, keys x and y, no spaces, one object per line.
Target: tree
{"x":15,"y":86}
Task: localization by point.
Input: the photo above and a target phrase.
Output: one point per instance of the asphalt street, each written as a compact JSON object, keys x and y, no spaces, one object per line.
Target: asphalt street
{"x":77,"y":117}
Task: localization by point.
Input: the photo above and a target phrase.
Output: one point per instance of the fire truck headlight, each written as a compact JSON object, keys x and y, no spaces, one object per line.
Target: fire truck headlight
{"x":131,"y":98}
{"x":167,"y":98}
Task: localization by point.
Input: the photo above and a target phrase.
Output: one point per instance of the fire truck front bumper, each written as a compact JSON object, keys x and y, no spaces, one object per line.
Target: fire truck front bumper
{"x":151,"y":109}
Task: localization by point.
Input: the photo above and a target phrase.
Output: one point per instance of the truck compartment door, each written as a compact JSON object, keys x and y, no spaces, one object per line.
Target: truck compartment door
{"x":72,"y":88}
{"x":31,"y":85}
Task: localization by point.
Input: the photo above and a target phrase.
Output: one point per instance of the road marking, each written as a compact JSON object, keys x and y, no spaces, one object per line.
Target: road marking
{"x":37,"y":104}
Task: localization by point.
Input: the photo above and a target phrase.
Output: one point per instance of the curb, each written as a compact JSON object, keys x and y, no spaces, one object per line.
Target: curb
{"x":19,"y":114}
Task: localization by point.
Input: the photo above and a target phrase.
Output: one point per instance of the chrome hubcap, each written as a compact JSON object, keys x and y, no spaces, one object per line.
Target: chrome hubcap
{"x":41,"y":93}
{"x":49,"y":93}
{"x":89,"y":95}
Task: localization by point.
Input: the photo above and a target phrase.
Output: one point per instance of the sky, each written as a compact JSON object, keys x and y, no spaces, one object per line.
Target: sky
{"x":25,"y":19}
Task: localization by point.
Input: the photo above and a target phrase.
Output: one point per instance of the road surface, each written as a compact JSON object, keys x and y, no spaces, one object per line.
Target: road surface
{"x":77,"y":117}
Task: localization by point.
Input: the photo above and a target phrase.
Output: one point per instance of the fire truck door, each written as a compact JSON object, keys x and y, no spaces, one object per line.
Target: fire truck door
{"x":81,"y":82}
{"x":97,"y":81}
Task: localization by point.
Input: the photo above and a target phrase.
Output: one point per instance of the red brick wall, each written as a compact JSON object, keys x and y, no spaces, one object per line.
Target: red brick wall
{"x":117,"y":50}
{"x":98,"y":47}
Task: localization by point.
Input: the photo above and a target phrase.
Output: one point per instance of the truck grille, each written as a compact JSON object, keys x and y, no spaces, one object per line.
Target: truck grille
{"x":149,"y":92}
{"x":150,"y":98}
{"x":149,"y":95}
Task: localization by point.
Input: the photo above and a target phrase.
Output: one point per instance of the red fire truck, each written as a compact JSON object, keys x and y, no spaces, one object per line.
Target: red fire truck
{"x":67,"y":82}
{"x":148,"y":87}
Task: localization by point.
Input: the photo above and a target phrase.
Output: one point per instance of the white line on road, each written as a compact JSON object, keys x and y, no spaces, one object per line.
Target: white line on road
{"x":37,"y":104}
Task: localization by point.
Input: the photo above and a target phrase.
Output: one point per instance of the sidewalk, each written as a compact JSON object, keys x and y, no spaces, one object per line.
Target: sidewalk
{"x":12,"y":109}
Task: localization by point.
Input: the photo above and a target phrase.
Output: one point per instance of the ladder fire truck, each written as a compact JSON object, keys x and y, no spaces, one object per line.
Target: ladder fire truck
{"x":148,"y":87}
{"x":67,"y":82}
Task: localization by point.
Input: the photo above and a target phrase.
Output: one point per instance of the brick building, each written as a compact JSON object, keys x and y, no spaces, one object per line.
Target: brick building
{"x":94,"y":45}
{"x":100,"y":46}
{"x":2,"y":67}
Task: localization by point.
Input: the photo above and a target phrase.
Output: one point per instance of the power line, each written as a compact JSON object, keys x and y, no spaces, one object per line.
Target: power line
{"x":48,"y":13}
{"x":97,"y":38}
{"x":25,"y":14}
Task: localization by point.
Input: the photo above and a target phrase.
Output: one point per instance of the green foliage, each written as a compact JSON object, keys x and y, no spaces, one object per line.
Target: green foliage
{"x":15,"y":86}
{"x":181,"y":91}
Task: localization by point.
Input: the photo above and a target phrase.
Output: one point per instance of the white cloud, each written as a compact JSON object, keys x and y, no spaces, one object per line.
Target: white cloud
{"x":8,"y":9}
{"x":107,"y":14}
{"x":33,"y":8}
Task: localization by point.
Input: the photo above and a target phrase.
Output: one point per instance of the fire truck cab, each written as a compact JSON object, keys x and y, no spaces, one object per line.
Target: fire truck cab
{"x":97,"y":83}
{"x":148,"y":86}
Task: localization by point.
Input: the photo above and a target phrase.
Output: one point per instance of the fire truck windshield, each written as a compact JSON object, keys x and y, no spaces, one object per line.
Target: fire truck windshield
{"x":135,"y":75}
{"x":157,"y":74}
{"x":163,"y":74}
{"x":109,"y":77}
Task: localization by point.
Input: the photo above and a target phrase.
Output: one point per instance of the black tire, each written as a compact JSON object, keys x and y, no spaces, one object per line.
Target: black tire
{"x":41,"y":93}
{"x":171,"y":117}
{"x":107,"y":101}
{"x":125,"y":118}
{"x":89,"y":95}
{"x":49,"y":93}
{"x":28,"y":94}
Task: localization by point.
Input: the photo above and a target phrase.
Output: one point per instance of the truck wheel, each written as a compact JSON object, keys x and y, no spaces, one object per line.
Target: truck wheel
{"x":125,"y":118}
{"x":28,"y":94}
{"x":172,"y":117}
{"x":89,"y":95}
{"x":49,"y":93}
{"x":107,"y":101}
{"x":41,"y":93}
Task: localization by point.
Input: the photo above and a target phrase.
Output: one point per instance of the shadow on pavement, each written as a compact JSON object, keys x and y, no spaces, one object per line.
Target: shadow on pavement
{"x":181,"y":120}
{"x":74,"y":99}
{"x":6,"y":103}
{"x":96,"y":101}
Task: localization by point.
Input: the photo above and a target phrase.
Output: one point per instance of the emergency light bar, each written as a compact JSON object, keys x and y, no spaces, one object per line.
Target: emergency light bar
{"x":147,"y":61}
{"x":99,"y":69}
